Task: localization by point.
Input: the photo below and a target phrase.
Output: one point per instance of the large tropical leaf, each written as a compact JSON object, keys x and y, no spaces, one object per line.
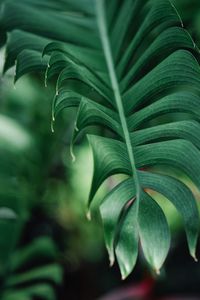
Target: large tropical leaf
{"x":123,"y":64}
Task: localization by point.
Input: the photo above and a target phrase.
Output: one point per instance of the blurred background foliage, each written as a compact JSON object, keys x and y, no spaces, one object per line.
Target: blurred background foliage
{"x":48,"y":248}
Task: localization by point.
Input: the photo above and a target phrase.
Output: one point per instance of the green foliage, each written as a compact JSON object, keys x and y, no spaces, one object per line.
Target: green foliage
{"x":38,"y":281}
{"x":14,"y":142}
{"x":26,"y":272}
{"x":123,"y":64}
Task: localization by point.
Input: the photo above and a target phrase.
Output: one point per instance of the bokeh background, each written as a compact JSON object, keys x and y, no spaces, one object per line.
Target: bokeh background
{"x":48,"y":248}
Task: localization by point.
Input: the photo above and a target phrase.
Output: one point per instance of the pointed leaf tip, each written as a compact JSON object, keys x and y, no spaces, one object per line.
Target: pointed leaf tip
{"x":155,"y":239}
{"x":52,"y":126}
{"x":123,"y":277}
{"x":111,"y":259}
{"x":157,"y":272}
{"x":195,"y":258}
{"x":72,"y":153}
{"x":88,"y":215}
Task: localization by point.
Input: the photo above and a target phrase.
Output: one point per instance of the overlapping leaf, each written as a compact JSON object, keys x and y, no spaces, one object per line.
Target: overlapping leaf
{"x":123,"y":63}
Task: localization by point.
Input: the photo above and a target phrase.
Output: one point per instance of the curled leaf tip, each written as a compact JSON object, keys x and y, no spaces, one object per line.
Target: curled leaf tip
{"x":45,"y":82}
{"x":52,"y":113}
{"x":193,"y":255}
{"x":112,"y":260}
{"x":195,"y":258}
{"x":72,"y":154}
{"x":178,"y":15}
{"x":111,"y":263}
{"x":52,"y":126}
{"x":124,"y":276}
{"x":157,"y":271}
{"x":88,"y":215}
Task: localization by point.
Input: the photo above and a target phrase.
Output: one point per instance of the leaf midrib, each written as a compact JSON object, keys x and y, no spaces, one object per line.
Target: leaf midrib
{"x":101,"y":18}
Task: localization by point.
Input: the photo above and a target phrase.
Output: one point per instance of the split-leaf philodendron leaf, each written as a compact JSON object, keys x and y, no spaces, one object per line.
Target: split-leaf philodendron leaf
{"x":123,"y":63}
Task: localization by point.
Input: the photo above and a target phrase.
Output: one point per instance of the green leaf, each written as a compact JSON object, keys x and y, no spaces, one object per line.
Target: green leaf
{"x":42,"y":247}
{"x":33,"y":272}
{"x":51,"y":272}
{"x":123,"y":67}
{"x":43,"y":291}
{"x":154,"y":232}
{"x":111,"y":211}
{"x":128,"y":241}
{"x":29,"y":61}
{"x":110,"y":157}
{"x":182,"y":198}
{"x":187,"y":130}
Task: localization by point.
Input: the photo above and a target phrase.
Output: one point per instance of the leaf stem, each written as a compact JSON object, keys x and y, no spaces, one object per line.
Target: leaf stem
{"x":100,"y":7}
